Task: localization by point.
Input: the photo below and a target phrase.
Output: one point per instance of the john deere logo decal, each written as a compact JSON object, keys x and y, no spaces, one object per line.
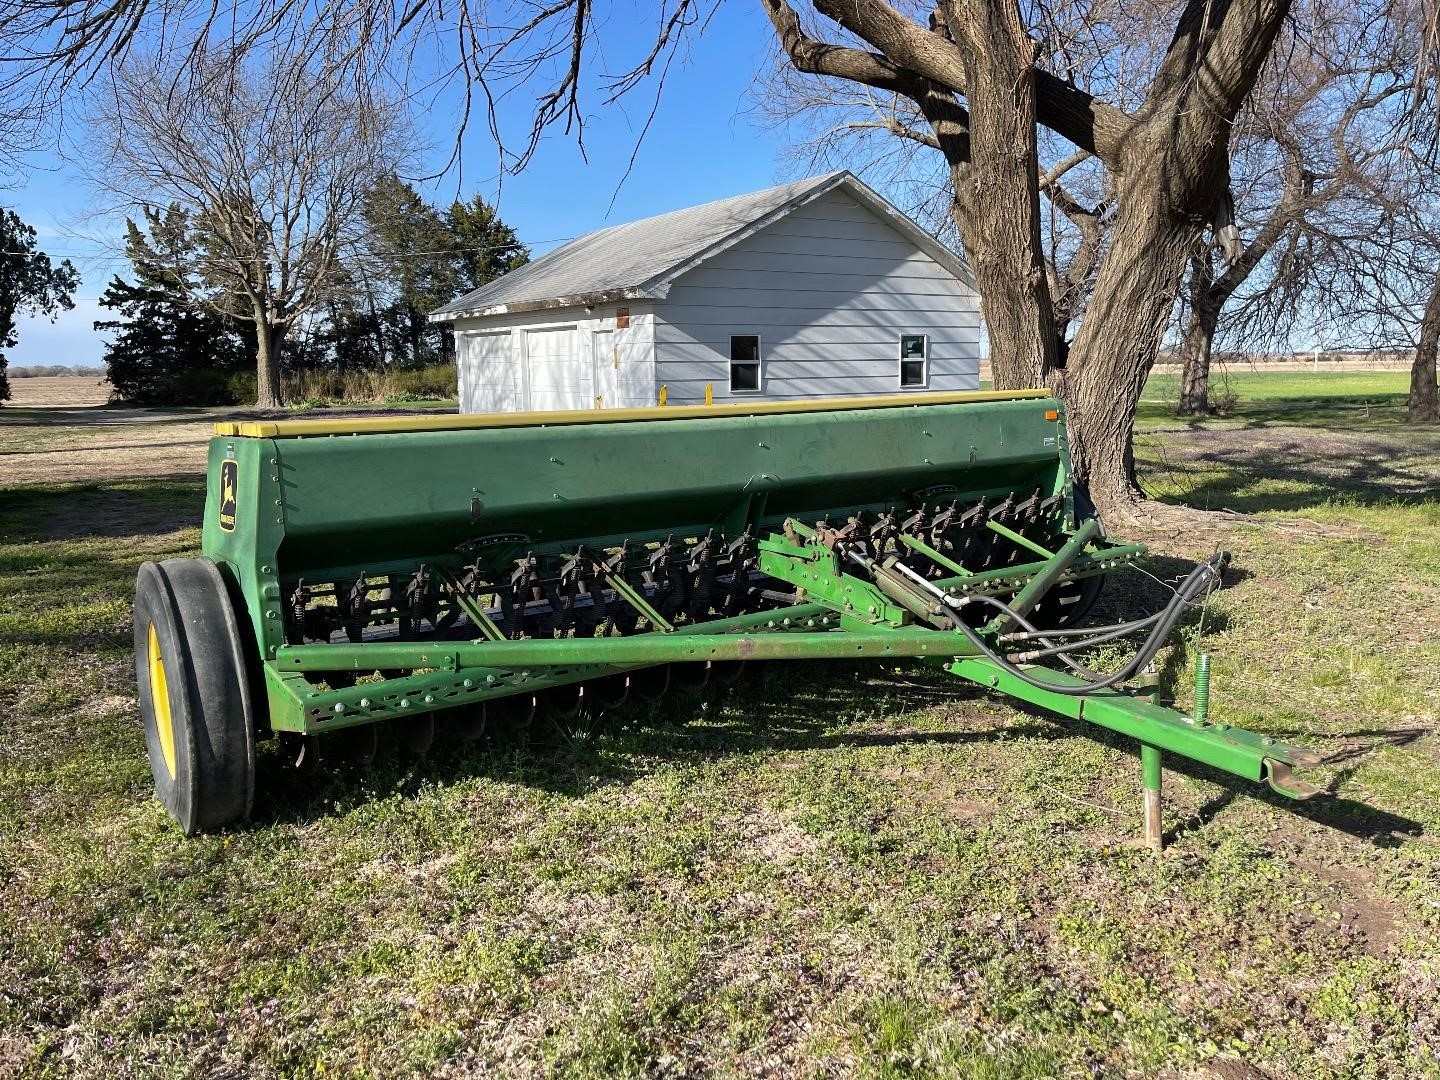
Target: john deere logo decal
{"x":229,"y":474}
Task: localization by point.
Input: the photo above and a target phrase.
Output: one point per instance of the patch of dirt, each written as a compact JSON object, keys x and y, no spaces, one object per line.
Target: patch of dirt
{"x":80,"y":445}
{"x":774,"y":839}
{"x":134,"y":452}
{"x":1374,"y":920}
{"x":1235,"y":1069}
{"x":110,"y":703}
{"x":948,"y":791}
{"x":1333,"y":459}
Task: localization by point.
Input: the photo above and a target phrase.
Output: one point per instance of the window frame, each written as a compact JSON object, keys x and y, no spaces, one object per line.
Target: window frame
{"x":902,"y":360}
{"x":759,"y":387}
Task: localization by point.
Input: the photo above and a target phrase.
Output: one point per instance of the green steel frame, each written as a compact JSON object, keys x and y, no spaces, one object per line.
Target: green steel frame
{"x":290,"y":503}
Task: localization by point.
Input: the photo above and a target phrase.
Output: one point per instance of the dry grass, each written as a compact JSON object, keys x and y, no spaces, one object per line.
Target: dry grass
{"x":57,"y":445}
{"x":58,"y":391}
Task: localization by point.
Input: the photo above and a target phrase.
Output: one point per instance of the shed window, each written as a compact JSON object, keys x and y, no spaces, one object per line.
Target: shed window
{"x":914,"y":360}
{"x":745,"y":364}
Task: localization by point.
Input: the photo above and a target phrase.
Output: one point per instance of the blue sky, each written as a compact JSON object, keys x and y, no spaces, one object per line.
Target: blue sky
{"x":705,"y":143}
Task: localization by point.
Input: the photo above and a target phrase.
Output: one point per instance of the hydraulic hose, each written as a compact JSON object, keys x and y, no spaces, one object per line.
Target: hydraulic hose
{"x":1042,"y":635}
{"x":1197,"y":583}
{"x":1082,"y":631}
{"x":1059,"y":650}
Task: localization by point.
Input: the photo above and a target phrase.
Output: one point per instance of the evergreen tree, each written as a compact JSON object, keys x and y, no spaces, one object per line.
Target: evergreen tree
{"x":30,"y":284}
{"x":485,"y":247}
{"x":411,"y":260}
{"x":166,"y":350}
{"x":417,"y":259}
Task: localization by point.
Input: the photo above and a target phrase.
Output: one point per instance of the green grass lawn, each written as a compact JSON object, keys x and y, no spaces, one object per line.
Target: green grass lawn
{"x":1319,"y":398}
{"x":827,"y":870}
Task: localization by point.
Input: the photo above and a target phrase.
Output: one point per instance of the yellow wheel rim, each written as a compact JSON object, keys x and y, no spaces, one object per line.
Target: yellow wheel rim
{"x":160,"y":701}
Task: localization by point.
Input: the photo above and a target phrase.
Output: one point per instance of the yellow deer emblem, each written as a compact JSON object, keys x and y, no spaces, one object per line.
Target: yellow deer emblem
{"x":229,"y":471}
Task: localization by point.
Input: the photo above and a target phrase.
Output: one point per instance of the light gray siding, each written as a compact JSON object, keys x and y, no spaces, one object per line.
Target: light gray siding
{"x":829,"y":289}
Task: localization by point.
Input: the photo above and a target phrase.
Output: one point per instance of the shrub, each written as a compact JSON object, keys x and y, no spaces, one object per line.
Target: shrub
{"x":395,"y":386}
{"x":436,"y":381}
{"x":37,"y":371}
{"x":241,"y":387}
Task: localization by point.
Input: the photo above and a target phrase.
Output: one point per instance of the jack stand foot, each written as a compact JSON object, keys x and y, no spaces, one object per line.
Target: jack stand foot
{"x":1150,"y":766}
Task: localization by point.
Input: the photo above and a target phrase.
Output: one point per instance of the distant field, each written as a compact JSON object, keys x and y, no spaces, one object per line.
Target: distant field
{"x":1299,"y":398}
{"x":1287,"y":385}
{"x":50,"y":391}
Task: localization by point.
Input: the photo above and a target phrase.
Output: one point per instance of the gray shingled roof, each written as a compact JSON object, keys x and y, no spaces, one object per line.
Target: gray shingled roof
{"x":638,"y":260}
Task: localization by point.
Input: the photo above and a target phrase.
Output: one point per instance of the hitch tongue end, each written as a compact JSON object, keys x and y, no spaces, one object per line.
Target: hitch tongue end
{"x":1281,"y":779}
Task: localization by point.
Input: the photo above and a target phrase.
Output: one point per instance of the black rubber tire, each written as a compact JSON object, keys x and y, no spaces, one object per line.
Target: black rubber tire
{"x":207,"y":779}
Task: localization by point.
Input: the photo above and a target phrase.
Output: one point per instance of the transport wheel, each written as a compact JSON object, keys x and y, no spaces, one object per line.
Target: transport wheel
{"x":194,"y":694}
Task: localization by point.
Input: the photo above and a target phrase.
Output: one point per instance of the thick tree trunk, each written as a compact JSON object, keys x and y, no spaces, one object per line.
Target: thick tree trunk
{"x":1199,"y":341}
{"x":1424,"y":400}
{"x":997,"y":201}
{"x":1169,"y":161}
{"x":1155,"y":231}
{"x":270,"y":340}
{"x":379,"y":329}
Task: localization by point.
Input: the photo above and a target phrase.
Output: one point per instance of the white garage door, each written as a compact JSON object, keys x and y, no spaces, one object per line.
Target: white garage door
{"x":560,"y":375}
{"x":489,"y":373}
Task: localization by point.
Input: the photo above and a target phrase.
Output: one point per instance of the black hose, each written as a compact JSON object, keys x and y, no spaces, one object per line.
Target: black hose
{"x":1060,"y":650}
{"x":1197,"y":583}
{"x":1069,"y":661}
{"x":1085,"y":631}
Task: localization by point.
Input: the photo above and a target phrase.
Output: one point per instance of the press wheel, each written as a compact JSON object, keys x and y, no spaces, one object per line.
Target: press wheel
{"x":194,"y":694}
{"x":1067,"y":603}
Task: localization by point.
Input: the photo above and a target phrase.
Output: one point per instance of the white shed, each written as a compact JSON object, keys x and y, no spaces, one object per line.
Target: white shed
{"x":816,"y":288}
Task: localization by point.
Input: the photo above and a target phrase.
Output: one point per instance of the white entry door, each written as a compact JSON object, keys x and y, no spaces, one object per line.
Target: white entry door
{"x":489,"y":373}
{"x":560,"y":377}
{"x":607,"y":365}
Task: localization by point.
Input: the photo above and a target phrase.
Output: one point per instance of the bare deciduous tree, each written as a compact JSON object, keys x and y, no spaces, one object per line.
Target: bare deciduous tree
{"x":1312,"y":151}
{"x":269,"y":163}
{"x":1424,"y":403}
{"x":973,"y":75}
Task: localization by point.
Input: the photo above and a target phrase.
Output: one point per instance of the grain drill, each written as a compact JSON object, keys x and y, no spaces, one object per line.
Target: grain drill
{"x":491,"y":569}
